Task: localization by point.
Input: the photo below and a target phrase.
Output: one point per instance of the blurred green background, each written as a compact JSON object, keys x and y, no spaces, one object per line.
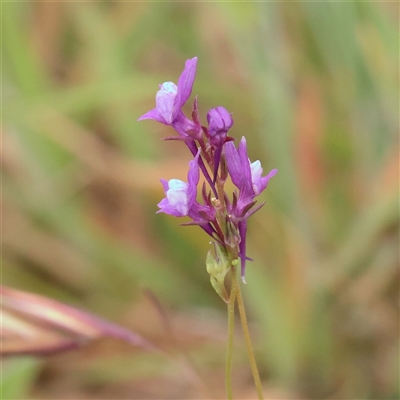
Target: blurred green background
{"x":314,"y":88}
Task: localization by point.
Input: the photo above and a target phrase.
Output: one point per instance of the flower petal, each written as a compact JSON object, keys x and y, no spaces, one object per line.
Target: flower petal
{"x":176,"y":200}
{"x":233,"y":163}
{"x":153,"y":114}
{"x":165,"y":100}
{"x":167,"y":208}
{"x":239,"y":169}
{"x":265,"y":179}
{"x":165,"y":185}
{"x":247,"y":187}
{"x":185,"y":85}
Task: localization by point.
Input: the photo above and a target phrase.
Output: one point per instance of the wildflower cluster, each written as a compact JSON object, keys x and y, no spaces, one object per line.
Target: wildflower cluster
{"x":222,"y":217}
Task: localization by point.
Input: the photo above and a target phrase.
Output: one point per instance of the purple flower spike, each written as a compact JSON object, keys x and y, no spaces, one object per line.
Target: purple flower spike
{"x":171,"y":98}
{"x":180,"y":196}
{"x":219,"y":122}
{"x":222,"y":217}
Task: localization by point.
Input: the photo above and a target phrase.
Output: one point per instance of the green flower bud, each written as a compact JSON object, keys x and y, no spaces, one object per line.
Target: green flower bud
{"x":218,"y":264}
{"x":211,"y":264}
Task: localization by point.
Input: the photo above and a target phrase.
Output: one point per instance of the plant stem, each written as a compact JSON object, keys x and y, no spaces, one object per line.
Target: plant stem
{"x":231,"y":326}
{"x":246,"y":333}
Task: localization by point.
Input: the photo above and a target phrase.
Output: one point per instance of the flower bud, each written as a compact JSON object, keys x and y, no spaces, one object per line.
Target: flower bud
{"x":219,"y":122}
{"x":211,"y":264}
{"x":218,"y":264}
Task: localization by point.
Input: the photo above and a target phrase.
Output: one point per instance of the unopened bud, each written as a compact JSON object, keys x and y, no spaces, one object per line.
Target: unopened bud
{"x":211,"y":264}
{"x":218,"y":264}
{"x":219,"y":122}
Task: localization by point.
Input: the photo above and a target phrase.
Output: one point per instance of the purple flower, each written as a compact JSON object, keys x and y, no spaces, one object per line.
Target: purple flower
{"x":177,"y":201}
{"x":180,"y":196}
{"x":181,"y":201}
{"x":247,"y":177}
{"x":171,"y":98}
{"x":219,"y":122}
{"x":169,"y":102}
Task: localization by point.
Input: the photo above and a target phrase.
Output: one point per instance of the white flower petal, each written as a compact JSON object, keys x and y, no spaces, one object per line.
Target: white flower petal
{"x":177,"y":196}
{"x":165,"y":99}
{"x":256,"y":172}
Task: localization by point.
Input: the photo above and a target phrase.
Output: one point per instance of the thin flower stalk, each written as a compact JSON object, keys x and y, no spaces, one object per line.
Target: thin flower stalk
{"x":231,"y":329}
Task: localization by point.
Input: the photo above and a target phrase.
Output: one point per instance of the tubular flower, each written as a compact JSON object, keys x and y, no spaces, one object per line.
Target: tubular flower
{"x":180,"y":199}
{"x":169,"y":102}
{"x":171,"y":98}
{"x":180,"y":196}
{"x":247,"y":177}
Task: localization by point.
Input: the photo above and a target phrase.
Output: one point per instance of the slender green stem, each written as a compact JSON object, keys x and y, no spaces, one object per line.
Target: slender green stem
{"x":231,"y":326}
{"x":246,"y":333}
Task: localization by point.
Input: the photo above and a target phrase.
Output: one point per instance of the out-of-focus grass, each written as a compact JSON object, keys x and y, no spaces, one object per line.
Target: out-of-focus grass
{"x":18,"y":377}
{"x":313,"y":86}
